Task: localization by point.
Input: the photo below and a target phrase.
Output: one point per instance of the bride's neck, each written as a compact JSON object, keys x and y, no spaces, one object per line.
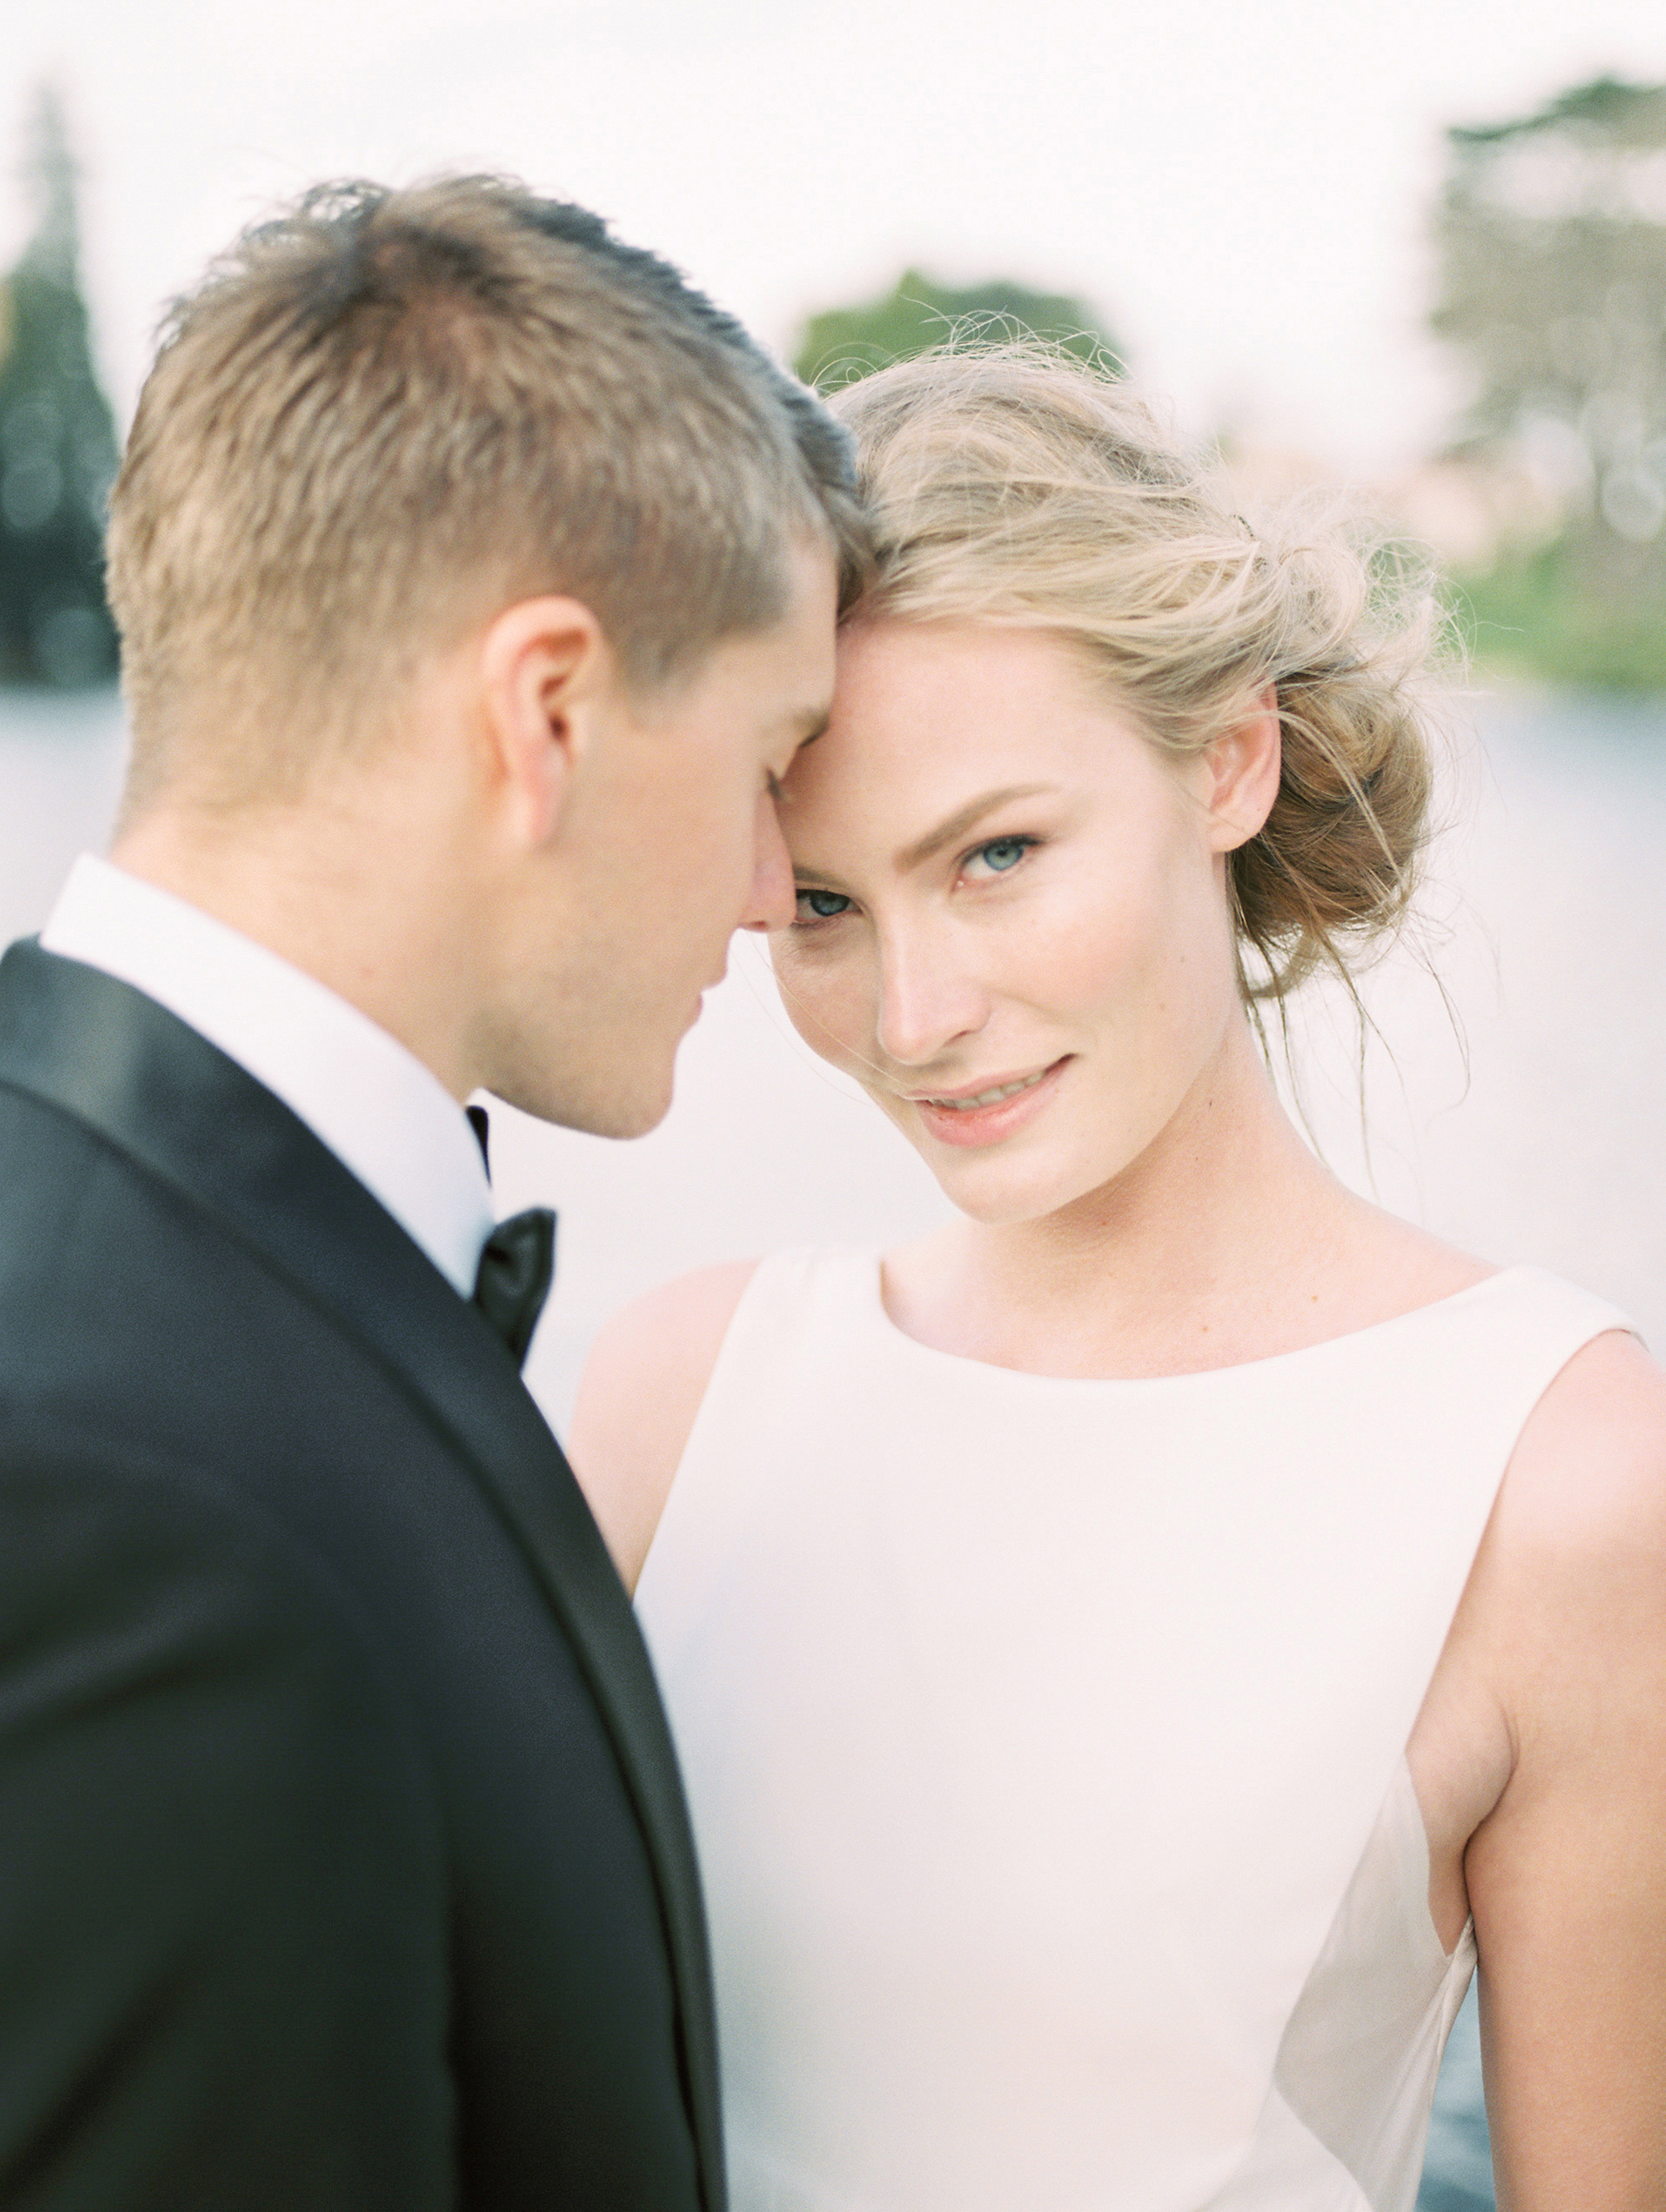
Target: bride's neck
{"x":1216,"y":1245}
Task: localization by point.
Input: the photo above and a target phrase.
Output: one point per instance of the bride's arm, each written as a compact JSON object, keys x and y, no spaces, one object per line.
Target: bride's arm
{"x":641,"y":1390}
{"x":1567,"y":1875}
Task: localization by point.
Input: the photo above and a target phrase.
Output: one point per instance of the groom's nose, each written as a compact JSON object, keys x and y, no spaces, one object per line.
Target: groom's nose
{"x":772,"y":900}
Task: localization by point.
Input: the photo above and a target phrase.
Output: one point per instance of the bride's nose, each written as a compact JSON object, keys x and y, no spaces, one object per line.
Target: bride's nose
{"x":928,"y":997}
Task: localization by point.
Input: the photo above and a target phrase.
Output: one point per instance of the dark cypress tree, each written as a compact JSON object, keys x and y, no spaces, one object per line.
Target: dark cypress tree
{"x":57,"y":443}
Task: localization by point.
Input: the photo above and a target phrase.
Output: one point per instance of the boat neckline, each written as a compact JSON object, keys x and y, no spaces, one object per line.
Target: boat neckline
{"x":873,"y":1281}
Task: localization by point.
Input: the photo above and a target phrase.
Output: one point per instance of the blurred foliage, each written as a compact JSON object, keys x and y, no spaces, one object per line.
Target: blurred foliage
{"x":1527,"y":613}
{"x":1552,"y":240}
{"x":57,"y":443}
{"x":843,"y":344}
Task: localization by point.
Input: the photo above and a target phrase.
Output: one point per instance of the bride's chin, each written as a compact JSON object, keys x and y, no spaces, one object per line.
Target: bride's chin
{"x":995,"y":1200}
{"x":1014,"y":1191}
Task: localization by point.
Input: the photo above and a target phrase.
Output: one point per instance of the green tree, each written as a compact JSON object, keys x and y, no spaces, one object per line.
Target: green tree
{"x":842,"y":344}
{"x":57,"y":443}
{"x":1552,"y":241}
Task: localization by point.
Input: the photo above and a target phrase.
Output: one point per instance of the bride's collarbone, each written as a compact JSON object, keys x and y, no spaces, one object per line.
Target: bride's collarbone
{"x":1089,"y":1324}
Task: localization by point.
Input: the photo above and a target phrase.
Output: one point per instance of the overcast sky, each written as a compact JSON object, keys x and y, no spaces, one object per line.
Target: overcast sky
{"x":1244,"y":190}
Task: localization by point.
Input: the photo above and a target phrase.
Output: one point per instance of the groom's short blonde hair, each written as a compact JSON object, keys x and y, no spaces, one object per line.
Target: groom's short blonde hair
{"x":388,"y":414}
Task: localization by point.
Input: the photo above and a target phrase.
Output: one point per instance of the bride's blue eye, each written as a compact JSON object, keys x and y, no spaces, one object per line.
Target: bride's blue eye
{"x":821,"y":906}
{"x":1001,"y":854}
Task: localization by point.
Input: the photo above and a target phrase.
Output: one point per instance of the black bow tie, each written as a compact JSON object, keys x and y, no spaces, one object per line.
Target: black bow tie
{"x":513,"y":1277}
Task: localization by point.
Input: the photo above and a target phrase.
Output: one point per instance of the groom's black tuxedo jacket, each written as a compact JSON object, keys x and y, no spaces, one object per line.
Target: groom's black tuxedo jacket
{"x":343,"y":1861}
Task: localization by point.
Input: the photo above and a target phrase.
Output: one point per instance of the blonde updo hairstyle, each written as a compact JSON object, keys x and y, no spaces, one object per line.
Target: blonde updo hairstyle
{"x":1012,"y":485}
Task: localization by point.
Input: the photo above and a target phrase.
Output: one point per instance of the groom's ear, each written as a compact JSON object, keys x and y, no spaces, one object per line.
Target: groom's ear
{"x":546,"y":670}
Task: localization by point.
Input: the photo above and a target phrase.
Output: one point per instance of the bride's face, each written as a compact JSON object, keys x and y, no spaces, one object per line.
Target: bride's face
{"x":1012,"y":922}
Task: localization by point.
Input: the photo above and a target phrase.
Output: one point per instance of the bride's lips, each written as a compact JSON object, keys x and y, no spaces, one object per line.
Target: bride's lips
{"x":956,"y":1124}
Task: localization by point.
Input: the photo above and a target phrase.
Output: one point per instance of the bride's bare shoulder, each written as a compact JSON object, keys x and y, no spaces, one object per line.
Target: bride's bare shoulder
{"x":1567,"y":1609}
{"x":641,"y":1388}
{"x":1588,"y":1478}
{"x":1567,"y":1874}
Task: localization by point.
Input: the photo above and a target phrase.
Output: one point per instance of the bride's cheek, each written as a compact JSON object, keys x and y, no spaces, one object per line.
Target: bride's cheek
{"x":822,"y":997}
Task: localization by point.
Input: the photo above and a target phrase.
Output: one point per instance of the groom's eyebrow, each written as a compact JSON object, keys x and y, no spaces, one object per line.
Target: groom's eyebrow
{"x":963,"y":820}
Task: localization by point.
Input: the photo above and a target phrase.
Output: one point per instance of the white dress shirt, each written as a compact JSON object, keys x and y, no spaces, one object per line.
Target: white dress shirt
{"x":384,"y":1114}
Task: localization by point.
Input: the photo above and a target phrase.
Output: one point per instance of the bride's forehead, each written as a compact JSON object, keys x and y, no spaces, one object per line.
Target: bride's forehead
{"x":927,"y":716}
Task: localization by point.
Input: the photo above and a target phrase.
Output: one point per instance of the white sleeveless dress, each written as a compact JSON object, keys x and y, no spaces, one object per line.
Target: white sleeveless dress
{"x":1045,"y":1740}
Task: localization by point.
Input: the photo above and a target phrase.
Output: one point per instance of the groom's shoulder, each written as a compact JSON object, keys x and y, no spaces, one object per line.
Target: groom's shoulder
{"x":80,"y":1222}
{"x":139,"y":1313}
{"x":83,"y":1218}
{"x":164,"y":1218}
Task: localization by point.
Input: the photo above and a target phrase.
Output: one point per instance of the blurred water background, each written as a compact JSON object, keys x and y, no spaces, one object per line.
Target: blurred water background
{"x":1514,"y":1082}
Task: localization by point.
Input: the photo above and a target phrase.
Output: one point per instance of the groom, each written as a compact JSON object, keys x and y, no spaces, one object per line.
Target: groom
{"x":477,"y":580}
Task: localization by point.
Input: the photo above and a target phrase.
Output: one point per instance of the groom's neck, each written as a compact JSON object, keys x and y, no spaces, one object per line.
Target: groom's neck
{"x":363,"y":882}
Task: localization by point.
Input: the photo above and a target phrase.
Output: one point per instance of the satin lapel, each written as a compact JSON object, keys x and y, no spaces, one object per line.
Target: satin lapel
{"x":154,"y":1088}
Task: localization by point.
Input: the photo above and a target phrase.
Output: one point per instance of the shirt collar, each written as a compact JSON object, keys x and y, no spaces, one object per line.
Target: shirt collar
{"x":382,"y":1112}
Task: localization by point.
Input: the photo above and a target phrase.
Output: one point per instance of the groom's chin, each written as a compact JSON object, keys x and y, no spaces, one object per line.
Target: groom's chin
{"x":615,"y":1109}
{"x":629,"y":1118}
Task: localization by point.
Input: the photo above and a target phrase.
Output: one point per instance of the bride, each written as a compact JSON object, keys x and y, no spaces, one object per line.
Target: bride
{"x":1133,"y":1649}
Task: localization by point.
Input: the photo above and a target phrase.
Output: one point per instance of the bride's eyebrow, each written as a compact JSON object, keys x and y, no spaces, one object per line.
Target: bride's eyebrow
{"x":963,"y":820}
